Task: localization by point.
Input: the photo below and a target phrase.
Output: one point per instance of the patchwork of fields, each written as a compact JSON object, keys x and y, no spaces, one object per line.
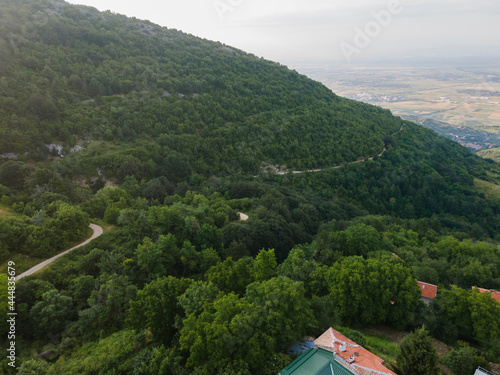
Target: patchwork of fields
{"x":465,"y":98}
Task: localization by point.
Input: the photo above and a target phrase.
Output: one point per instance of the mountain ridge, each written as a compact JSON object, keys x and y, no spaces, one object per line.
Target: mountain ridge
{"x":170,"y":133}
{"x":118,"y":78}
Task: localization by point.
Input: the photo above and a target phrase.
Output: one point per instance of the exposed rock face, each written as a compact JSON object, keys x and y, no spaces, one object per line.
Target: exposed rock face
{"x":49,"y":355}
{"x":9,"y":155}
{"x":58,"y":148}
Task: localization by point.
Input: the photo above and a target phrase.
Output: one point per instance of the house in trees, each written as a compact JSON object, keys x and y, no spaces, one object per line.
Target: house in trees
{"x":351,"y":355}
{"x":316,"y":361}
{"x":482,"y":371}
{"x":301,"y":346}
{"x":429,"y":291}
{"x":334,"y":354}
{"x":494,"y":294}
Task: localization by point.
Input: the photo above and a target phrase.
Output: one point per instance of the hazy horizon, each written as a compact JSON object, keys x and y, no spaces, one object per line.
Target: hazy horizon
{"x":297,"y":32}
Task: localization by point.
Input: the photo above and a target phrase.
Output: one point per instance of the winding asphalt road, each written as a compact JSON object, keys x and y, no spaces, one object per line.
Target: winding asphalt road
{"x":97,"y":232}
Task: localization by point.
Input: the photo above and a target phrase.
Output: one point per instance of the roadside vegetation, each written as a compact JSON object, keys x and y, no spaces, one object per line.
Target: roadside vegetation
{"x":174,"y":131}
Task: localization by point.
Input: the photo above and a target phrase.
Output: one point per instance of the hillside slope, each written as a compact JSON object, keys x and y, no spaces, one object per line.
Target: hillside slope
{"x":70,"y":73}
{"x":150,"y":102}
{"x":179,"y":128}
{"x":493,"y":154}
{"x":146,"y":102}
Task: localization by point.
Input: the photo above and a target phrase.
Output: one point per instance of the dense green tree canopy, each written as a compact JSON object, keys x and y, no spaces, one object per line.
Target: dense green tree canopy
{"x":417,"y":355}
{"x":52,"y":313}
{"x":176,"y":140}
{"x":156,"y":307}
{"x":373,"y":291}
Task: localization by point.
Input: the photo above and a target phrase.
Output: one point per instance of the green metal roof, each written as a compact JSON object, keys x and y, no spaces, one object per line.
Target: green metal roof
{"x":315,"y":361}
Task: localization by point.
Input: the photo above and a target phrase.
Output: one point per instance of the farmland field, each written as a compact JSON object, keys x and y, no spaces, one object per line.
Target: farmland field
{"x":464,"y":101}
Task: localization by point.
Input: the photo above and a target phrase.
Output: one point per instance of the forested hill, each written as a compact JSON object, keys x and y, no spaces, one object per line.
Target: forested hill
{"x":169,"y":135}
{"x":70,"y":73}
{"x":160,"y":112}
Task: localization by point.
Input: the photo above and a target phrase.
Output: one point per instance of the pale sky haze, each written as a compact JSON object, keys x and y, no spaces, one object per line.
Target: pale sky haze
{"x":301,"y":31}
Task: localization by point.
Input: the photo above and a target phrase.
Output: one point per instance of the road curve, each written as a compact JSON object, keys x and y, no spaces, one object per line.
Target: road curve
{"x":282,"y":173}
{"x":97,"y":232}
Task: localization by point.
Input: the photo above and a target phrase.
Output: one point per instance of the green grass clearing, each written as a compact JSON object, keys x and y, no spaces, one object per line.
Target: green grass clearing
{"x":6,"y":212}
{"x":381,"y":345}
{"x":491,"y":154}
{"x":23,"y":263}
{"x":489,"y":189}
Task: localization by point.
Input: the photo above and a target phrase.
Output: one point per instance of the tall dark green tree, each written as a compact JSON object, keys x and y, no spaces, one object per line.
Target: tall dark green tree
{"x":416,"y":355}
{"x":464,"y":361}
{"x":373,"y":291}
{"x":156,"y":308}
{"x":52,"y":314}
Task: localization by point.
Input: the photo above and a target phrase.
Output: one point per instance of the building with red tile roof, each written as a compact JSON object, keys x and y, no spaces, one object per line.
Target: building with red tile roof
{"x":494,"y":294}
{"x":316,"y":362}
{"x":353,"y":356}
{"x":429,"y":291}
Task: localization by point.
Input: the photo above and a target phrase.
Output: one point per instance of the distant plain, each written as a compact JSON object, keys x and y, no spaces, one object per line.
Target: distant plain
{"x":466,"y":96}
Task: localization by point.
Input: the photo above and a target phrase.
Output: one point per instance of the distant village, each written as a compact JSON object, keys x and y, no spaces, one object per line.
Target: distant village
{"x":368,"y":97}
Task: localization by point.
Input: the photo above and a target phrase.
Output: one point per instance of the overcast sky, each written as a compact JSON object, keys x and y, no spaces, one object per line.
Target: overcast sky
{"x":302,"y":31}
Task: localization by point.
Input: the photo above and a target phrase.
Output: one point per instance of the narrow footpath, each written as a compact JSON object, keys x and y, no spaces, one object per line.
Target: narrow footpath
{"x":97,"y":232}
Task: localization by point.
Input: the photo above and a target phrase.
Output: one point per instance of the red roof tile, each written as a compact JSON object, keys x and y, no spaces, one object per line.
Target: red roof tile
{"x":355,"y":356}
{"x":428,"y":290}
{"x":494,"y":294}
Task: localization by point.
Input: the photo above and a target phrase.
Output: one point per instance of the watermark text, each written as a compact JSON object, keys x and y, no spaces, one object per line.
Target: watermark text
{"x":363,"y":37}
{"x":11,"y":314}
{"x":222,"y":7}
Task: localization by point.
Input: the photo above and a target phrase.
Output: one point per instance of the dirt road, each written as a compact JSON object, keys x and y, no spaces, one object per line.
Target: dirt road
{"x":97,"y":232}
{"x":335,"y":166}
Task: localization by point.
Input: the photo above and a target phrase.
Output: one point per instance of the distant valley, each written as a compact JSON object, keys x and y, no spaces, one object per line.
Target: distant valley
{"x":221,"y":248}
{"x":460,"y":103}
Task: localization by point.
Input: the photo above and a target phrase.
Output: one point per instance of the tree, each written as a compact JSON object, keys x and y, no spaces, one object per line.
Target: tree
{"x":154,"y":190}
{"x":3,"y":302}
{"x":51,"y":315}
{"x":228,"y":331}
{"x":416,"y":355}
{"x":287,"y":312}
{"x":358,"y":239}
{"x":196,"y":296}
{"x":264,"y":265}
{"x":164,"y":361}
{"x":71,"y":221}
{"x":156,"y":308}
{"x":189,"y":258}
{"x":131,"y":186}
{"x":231,"y":276}
{"x":31,"y":290}
{"x":207,"y":259}
{"x":464,"y":360}
{"x":453,"y":315}
{"x":373,"y":291}
{"x":81,"y":288}
{"x":155,"y":259}
{"x":33,"y":367}
{"x":361,"y":239}
{"x":298,"y":267}
{"x":485,"y":315}
{"x":13,"y":174}
{"x":206,"y":237}
{"x":108,"y":305}
{"x":177,"y":167}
